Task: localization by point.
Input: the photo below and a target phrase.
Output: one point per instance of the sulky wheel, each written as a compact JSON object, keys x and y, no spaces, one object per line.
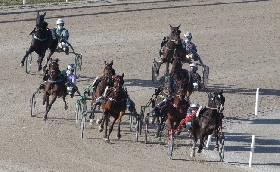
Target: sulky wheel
{"x":170,"y":145}
{"x":32,"y":104}
{"x":28,"y":60}
{"x":78,"y":65}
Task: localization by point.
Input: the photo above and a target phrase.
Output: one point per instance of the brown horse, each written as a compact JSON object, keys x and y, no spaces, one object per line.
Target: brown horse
{"x":172,"y":46}
{"x":100,"y":84}
{"x":55,"y":86}
{"x":113,"y":105}
{"x":183,"y":75}
{"x":209,"y":119}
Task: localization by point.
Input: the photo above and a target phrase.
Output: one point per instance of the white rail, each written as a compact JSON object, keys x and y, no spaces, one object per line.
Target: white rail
{"x":24,"y":1}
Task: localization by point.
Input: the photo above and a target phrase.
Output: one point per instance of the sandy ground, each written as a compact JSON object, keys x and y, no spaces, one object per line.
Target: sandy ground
{"x":237,"y":39}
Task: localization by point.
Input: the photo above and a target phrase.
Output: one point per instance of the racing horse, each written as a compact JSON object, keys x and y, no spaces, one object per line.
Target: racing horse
{"x":55,"y":87}
{"x":183,"y":75}
{"x":209,"y":119}
{"x":171,"y":108}
{"x":172,"y":46}
{"x":113,"y":105}
{"x":40,"y":40}
{"x":100,"y":84}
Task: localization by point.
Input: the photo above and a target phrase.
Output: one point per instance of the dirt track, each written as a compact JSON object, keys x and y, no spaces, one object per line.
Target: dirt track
{"x":237,"y":39}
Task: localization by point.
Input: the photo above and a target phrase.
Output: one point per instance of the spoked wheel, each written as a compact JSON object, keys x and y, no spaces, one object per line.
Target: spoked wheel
{"x":130,"y":122}
{"x":222,"y":148}
{"x":78,"y":114}
{"x":205,"y":75}
{"x":146,"y":129}
{"x":32,"y":104}
{"x":155,"y":70}
{"x":138,"y":127}
{"x":28,"y":60}
{"x":83,"y":124}
{"x":170,"y":145}
{"x":78,"y":65}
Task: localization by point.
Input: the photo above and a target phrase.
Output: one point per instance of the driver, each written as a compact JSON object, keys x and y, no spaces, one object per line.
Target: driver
{"x":191,"y":48}
{"x":196,"y":77}
{"x":71,"y":80}
{"x":62,"y":35}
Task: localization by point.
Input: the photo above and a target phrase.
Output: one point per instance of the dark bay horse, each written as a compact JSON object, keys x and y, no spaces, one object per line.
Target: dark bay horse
{"x":171,"y":107}
{"x":182,"y":75}
{"x":41,"y":41}
{"x":172,"y":47}
{"x":209,"y":119}
{"x":55,"y":86}
{"x":113,"y":105}
{"x":100,"y":84}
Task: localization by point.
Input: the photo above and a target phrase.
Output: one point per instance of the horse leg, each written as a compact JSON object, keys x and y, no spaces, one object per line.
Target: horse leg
{"x":202,"y":136}
{"x":215,"y":133}
{"x":158,"y":122}
{"x":65,"y":104}
{"x":101,"y":126}
{"x":106,"y":136}
{"x":167,"y":68}
{"x":111,"y":127}
{"x":39,"y":61}
{"x":29,"y":51}
{"x":192,"y":155}
{"x":119,"y":125}
{"x":54,"y":96}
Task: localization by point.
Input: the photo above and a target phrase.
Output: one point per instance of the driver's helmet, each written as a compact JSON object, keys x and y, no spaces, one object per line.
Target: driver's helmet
{"x":194,"y":107}
{"x":193,"y":67}
{"x":60,"y":23}
{"x":188,"y":35}
{"x":71,"y":67}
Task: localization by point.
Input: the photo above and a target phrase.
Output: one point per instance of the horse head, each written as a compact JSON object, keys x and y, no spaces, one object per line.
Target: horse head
{"x":53,"y":69}
{"x":216,"y":100}
{"x":175,"y":31}
{"x":118,"y":83}
{"x":40,"y":20}
{"x":108,"y":69}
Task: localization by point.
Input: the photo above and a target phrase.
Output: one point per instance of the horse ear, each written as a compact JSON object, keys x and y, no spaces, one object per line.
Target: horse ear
{"x":104,"y":62}
{"x":122,"y":74}
{"x":44,"y":14}
{"x":170,"y":26}
{"x":179,"y":26}
{"x":112,"y":62}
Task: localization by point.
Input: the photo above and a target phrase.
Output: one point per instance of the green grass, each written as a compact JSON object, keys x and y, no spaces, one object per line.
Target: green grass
{"x":29,"y":2}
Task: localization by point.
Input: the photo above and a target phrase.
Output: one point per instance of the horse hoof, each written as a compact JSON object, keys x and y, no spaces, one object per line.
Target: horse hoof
{"x":106,"y":140}
{"x":66,"y":107}
{"x":91,"y":121}
{"x":198,"y":151}
{"x":21,"y":64}
{"x":100,"y":129}
{"x":39,"y":68}
{"x":44,"y":118}
{"x":98,"y":121}
{"x":119,"y":136}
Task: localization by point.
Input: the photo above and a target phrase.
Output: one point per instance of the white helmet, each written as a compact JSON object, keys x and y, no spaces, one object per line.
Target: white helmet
{"x":59,"y":21}
{"x":195,"y":105}
{"x":188,"y":35}
{"x":71,"y":67}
